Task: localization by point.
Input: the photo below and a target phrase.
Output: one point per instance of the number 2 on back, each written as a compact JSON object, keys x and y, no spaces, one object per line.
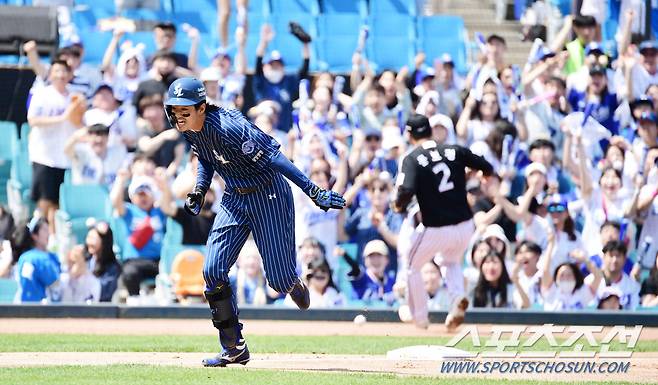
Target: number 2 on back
{"x":445,"y":184}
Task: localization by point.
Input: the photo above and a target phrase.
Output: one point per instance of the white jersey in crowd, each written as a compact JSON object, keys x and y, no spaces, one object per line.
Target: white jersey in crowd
{"x":627,"y":286}
{"x":563,"y":247}
{"x":640,"y":78}
{"x":554,"y":299}
{"x":121,"y":123}
{"x":648,"y":241}
{"x":535,"y":231}
{"x":46,"y":144}
{"x":596,"y":213}
{"x":89,"y":168}
{"x":530,"y":285}
{"x":81,"y":289}
{"x":311,"y":221}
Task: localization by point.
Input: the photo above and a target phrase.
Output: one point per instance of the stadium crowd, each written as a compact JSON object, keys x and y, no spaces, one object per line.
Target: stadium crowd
{"x":568,"y":221}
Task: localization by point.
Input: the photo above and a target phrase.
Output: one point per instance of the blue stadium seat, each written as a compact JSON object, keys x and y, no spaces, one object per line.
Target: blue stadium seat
{"x":204,"y":6}
{"x":390,"y":47}
{"x":380,"y":7}
{"x":95,"y":43}
{"x":393,"y":25}
{"x":341,"y":6}
{"x":443,"y":34}
{"x":335,"y":53}
{"x":9,"y":59}
{"x":391,"y":52}
{"x":8,"y":147}
{"x":143,"y":37}
{"x":19,"y":185}
{"x":286,"y":43}
{"x":442,"y":26}
{"x":77,"y":203}
{"x":337,"y":38}
{"x":8,"y":289}
{"x":294,"y":6}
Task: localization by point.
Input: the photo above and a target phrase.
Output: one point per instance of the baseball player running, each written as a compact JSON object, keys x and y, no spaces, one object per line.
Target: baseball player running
{"x":257,"y":199}
{"x":435,"y":174}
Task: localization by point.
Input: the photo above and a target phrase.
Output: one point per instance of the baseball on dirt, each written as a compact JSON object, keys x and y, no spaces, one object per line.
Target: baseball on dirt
{"x":360,"y":319}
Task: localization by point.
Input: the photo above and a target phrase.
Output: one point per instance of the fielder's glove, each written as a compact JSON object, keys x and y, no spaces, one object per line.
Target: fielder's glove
{"x":194,"y":202}
{"x":299,"y":32}
{"x":326,"y":199}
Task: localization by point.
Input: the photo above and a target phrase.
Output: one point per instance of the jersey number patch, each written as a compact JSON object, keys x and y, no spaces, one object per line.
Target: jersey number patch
{"x":445,"y":184}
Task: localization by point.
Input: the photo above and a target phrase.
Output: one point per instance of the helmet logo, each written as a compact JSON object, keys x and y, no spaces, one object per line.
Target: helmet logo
{"x":178,"y":90}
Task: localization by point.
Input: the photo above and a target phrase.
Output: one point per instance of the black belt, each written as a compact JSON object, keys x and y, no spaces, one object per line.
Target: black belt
{"x":250,"y":190}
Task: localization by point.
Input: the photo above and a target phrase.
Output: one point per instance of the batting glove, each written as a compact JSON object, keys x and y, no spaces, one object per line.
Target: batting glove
{"x":194,"y":202}
{"x":326,"y":199}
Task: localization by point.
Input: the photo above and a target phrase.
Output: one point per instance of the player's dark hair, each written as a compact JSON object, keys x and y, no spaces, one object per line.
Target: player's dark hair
{"x":165,"y":26}
{"x":578,"y":275}
{"x":496,"y":137}
{"x":541,"y":143}
{"x":476,"y":111}
{"x":377,"y":88}
{"x":106,"y":257}
{"x":60,"y":62}
{"x":475,"y":247}
{"x":617,"y":172}
{"x":558,"y":81}
{"x":529,"y":246}
{"x":570,"y":228}
{"x":493,"y":38}
{"x":321,"y":265}
{"x":485,"y":290}
{"x":615,"y":246}
{"x":21,"y":239}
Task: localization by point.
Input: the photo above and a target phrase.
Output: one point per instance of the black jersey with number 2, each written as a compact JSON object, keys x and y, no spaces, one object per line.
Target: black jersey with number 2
{"x":435,"y":173}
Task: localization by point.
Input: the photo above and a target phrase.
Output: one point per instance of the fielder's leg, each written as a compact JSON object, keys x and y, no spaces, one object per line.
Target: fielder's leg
{"x":225,"y":241}
{"x":422,"y":251}
{"x":273,"y":226}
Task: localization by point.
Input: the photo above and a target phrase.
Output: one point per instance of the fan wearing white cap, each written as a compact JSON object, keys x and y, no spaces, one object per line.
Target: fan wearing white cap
{"x":145,"y":224}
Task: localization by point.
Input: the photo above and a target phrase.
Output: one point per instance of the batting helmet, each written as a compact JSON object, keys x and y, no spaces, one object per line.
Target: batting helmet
{"x":186,"y":92}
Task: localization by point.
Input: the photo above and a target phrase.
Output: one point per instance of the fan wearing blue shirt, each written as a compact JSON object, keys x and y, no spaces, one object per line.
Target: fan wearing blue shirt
{"x":37,"y":269}
{"x":374,"y":283}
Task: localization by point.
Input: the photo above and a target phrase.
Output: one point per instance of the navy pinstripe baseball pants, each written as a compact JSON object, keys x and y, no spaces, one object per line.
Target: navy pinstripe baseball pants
{"x":269,"y":214}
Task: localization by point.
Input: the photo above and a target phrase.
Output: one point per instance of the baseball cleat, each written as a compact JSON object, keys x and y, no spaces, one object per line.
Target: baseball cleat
{"x":299,"y":294}
{"x":456,"y":315}
{"x":235,"y":355}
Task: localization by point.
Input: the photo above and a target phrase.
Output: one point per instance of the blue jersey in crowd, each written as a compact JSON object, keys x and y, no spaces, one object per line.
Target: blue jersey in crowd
{"x":603,"y":113}
{"x":135,"y":218}
{"x":36,"y":270}
{"x":369,"y":288}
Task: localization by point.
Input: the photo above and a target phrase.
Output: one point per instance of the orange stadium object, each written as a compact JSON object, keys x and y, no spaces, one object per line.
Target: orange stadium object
{"x":186,"y":273}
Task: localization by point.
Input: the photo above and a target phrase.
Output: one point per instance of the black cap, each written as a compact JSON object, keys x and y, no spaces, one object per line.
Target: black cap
{"x":419,"y":126}
{"x":597,"y":69}
{"x":584,"y":21}
{"x":98,"y":128}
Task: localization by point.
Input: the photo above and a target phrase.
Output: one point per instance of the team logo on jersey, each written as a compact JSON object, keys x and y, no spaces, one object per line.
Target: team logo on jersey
{"x":220,"y":157}
{"x":178,"y":90}
{"x":248,"y":147}
{"x":450,"y":154}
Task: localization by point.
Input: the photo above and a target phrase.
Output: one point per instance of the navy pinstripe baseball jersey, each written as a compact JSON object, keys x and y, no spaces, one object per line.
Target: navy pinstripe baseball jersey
{"x":241,"y":154}
{"x":234,"y":147}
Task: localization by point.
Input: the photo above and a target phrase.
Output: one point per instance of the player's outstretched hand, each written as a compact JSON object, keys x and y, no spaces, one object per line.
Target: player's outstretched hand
{"x":194,"y":202}
{"x":326,"y":199}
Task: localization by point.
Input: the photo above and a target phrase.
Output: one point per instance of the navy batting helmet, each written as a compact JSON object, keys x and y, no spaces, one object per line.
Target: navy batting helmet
{"x":186,"y":92}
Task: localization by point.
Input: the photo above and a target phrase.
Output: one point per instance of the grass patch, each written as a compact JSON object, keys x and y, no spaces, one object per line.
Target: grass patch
{"x":167,"y":375}
{"x":257,"y":344}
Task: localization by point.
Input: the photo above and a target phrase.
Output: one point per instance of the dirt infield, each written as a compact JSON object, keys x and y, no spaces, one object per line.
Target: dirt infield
{"x":644,"y":366}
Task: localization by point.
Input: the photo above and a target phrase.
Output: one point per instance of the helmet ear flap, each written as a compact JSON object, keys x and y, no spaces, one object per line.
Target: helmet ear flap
{"x":169,"y":113}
